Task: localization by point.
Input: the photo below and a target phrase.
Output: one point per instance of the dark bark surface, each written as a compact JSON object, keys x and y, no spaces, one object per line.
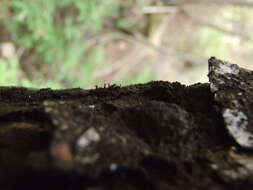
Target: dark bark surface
{"x":155,"y":136}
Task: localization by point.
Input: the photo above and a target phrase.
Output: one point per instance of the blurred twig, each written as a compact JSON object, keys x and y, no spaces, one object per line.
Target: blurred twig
{"x":168,"y":9}
{"x":204,"y":23}
{"x":158,"y":9}
{"x":140,"y":40}
{"x":243,"y":3}
{"x":166,"y":52}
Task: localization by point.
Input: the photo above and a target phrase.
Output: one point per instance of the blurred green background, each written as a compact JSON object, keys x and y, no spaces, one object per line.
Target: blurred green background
{"x":83,"y":43}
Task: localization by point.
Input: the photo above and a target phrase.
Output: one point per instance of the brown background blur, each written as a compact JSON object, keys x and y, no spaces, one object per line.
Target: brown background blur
{"x":83,"y":43}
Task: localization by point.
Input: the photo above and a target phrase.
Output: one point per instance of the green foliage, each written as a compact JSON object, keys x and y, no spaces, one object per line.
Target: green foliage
{"x":57,"y":31}
{"x":9,"y":72}
{"x":50,"y":26}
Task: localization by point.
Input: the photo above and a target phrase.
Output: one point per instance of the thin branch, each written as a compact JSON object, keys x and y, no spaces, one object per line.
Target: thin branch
{"x":167,"y":52}
{"x":221,"y":29}
{"x":140,"y":40}
{"x":158,"y":9}
{"x":198,"y":21}
{"x":168,"y":9}
{"x":243,"y":3}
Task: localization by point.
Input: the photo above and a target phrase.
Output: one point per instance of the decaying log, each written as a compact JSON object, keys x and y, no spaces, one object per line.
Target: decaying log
{"x":155,"y":136}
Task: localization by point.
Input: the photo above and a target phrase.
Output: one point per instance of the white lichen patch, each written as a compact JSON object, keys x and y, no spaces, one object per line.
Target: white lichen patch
{"x":213,"y":87}
{"x":113,"y":166}
{"x":226,"y":68}
{"x":91,"y":135}
{"x":237,"y":122}
{"x":92,"y":106}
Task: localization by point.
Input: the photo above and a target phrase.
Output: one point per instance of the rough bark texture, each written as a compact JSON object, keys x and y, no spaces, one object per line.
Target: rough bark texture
{"x":155,"y":136}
